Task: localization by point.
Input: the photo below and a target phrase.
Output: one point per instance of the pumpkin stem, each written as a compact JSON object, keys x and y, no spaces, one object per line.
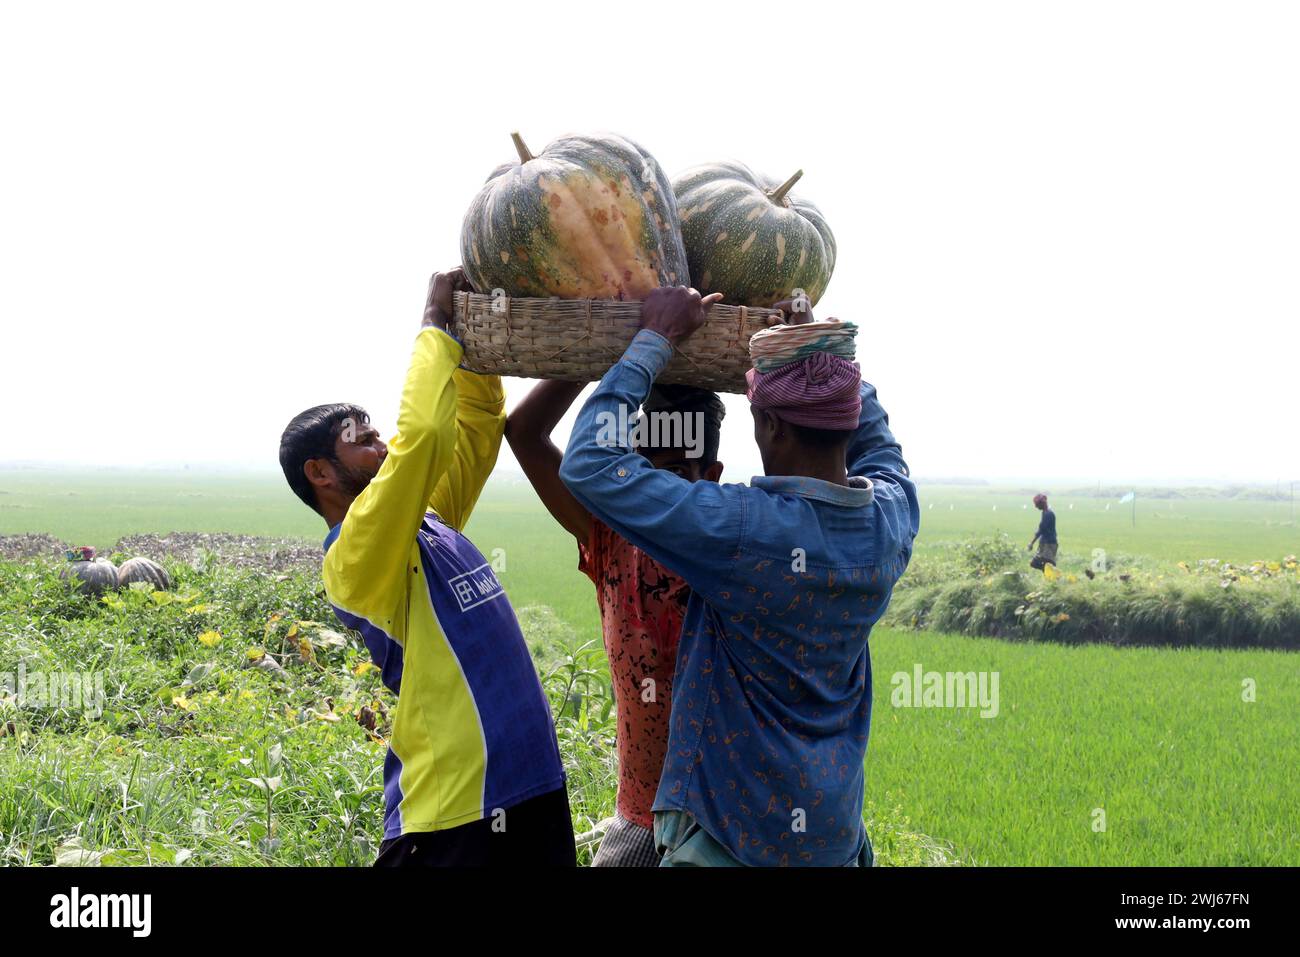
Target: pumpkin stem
{"x":524,"y":154}
{"x":778,"y":195}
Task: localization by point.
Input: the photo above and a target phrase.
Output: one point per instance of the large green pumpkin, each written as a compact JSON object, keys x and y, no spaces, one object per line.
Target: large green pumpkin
{"x":591,"y":217}
{"x":749,"y":238}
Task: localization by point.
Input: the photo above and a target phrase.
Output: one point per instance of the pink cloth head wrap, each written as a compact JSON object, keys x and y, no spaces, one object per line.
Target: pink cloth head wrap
{"x":821,"y":391}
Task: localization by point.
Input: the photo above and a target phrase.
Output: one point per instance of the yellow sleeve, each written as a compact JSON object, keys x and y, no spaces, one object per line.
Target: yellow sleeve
{"x":365,"y":568}
{"x":480,"y":424}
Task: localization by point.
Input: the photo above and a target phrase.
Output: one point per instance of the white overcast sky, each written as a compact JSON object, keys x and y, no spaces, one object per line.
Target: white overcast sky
{"x":1070,"y":232}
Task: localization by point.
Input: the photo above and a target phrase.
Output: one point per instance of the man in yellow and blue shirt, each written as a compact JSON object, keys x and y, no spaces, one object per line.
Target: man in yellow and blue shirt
{"x":473,"y":773}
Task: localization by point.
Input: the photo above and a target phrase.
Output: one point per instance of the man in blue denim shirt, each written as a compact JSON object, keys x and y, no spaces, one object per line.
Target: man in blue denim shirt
{"x":772,"y":704}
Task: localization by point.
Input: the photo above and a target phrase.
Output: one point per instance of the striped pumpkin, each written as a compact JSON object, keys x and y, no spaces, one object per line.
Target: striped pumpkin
{"x":591,"y":217}
{"x":748,"y":238}
{"x":143,"y":570}
{"x":92,"y":577}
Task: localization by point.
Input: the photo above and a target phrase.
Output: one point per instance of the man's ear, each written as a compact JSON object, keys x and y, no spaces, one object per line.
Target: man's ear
{"x":771,"y":423}
{"x":319,"y":472}
{"x":713,"y":472}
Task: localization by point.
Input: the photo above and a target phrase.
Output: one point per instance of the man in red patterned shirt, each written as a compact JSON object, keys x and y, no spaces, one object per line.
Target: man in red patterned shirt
{"x":641,"y":602}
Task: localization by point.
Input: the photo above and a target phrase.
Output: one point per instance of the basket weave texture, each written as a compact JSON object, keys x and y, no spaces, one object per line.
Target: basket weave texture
{"x":577,"y":340}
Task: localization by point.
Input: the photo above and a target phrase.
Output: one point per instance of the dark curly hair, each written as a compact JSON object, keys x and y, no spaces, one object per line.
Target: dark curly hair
{"x":311,"y":435}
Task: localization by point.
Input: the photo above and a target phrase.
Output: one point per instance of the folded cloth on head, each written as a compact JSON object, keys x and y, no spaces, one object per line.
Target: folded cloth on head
{"x":820,"y":391}
{"x":772,"y":348}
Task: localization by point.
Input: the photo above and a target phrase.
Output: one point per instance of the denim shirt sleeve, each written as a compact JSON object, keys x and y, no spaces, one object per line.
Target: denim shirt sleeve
{"x":693,"y":528}
{"x":874,"y":453}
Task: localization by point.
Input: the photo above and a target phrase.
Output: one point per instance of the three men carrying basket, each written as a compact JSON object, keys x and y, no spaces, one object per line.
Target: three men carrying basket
{"x":747,"y":607}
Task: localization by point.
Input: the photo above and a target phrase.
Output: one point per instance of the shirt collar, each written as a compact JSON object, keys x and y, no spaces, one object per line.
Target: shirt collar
{"x":857,"y":493}
{"x":334,"y":533}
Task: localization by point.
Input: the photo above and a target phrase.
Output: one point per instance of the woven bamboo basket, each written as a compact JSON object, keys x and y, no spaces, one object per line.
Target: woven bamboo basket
{"x":577,"y":340}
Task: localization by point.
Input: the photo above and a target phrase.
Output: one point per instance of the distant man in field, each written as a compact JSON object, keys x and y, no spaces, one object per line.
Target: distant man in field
{"x":473,"y":773}
{"x":771,"y":702}
{"x":1045,"y":536}
{"x":642,"y":603}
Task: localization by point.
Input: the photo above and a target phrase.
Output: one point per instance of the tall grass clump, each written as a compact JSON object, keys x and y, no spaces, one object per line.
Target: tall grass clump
{"x":1211,"y":604}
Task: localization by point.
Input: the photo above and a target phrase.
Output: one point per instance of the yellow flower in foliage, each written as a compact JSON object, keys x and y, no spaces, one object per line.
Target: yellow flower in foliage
{"x":1050,"y":573}
{"x":182,"y":702}
{"x":1062,"y":617}
{"x":364,"y":668}
{"x":210,"y":639}
{"x":256,"y":654}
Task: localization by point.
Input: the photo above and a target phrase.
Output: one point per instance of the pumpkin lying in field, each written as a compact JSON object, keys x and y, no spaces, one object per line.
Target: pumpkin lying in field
{"x":591,"y":217}
{"x":748,"y":238}
{"x":143,"y":570}
{"x":90,"y":575}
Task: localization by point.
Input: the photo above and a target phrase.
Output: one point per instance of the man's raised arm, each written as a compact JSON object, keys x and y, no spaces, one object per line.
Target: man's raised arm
{"x":686,"y":526}
{"x":528,"y":430}
{"x":480,"y":423}
{"x":365,"y":568}
{"x":874,"y":453}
